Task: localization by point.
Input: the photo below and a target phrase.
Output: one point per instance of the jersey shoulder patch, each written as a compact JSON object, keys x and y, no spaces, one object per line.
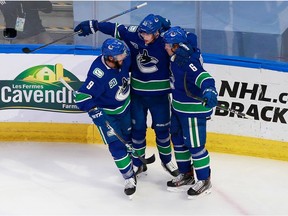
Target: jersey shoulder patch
{"x":98,"y":72}
{"x":132,"y":28}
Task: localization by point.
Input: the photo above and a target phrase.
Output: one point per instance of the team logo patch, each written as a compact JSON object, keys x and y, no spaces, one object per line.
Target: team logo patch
{"x":98,"y":72}
{"x":112,"y":83}
{"x":132,"y":28}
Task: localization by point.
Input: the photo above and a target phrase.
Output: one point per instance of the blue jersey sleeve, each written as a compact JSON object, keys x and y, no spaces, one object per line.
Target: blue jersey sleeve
{"x":115,"y":30}
{"x":198,"y":77}
{"x":108,"y":28}
{"x":91,"y":89}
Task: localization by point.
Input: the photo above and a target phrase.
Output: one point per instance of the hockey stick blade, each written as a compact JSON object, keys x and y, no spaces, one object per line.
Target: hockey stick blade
{"x":222,"y":107}
{"x":148,"y":160}
{"x":27,"y":50}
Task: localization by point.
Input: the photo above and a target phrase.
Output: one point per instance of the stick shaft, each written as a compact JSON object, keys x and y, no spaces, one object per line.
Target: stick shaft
{"x":189,"y":94}
{"x":66,"y":84}
{"x":105,"y":20}
{"x":55,"y":41}
{"x":124,"y":12}
{"x":142,"y":159}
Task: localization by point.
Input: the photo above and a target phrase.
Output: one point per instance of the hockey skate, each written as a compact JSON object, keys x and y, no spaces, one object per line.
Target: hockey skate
{"x":181,"y":183}
{"x":201,"y":187}
{"x":130,"y":186}
{"x":171,"y":169}
{"x":141,"y":170}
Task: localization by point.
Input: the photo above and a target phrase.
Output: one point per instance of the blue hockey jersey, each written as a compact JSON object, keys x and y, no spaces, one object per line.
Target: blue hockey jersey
{"x":196,"y":81}
{"x":149,"y":63}
{"x":105,"y":87}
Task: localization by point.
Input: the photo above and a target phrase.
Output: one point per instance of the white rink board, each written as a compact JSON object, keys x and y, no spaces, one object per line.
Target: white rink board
{"x":275,"y":83}
{"x":77,"y":64}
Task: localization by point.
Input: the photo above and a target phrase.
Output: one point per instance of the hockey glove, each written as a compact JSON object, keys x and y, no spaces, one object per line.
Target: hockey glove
{"x":165,"y":23}
{"x":98,"y":116}
{"x":183,"y":53}
{"x":87,"y":27}
{"x":210,"y":97}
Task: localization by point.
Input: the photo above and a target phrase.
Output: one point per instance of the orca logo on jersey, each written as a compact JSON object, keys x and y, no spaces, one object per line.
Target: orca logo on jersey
{"x":146,"y":63}
{"x":124,"y":90}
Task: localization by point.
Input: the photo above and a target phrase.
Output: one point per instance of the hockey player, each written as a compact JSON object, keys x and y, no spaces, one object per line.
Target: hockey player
{"x":189,"y":115}
{"x":105,"y":95}
{"x":150,"y":85}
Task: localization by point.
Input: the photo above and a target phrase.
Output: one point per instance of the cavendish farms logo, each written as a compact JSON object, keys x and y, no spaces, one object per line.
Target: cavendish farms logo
{"x":39,"y":88}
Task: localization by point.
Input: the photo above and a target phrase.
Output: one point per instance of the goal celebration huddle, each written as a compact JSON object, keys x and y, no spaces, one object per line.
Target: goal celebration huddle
{"x":153,"y":67}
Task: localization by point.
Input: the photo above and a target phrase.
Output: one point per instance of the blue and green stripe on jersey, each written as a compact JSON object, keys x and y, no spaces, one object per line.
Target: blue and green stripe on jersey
{"x":118,"y":110}
{"x":201,"y":78}
{"x":190,"y":107}
{"x":152,"y":85}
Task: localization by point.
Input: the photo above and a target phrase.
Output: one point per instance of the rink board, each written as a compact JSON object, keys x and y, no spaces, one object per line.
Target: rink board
{"x":88,"y":134}
{"x":35,"y":106}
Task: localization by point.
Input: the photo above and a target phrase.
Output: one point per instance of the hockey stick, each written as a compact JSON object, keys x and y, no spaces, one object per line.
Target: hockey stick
{"x":149,"y":160}
{"x":27,"y":50}
{"x":189,"y":94}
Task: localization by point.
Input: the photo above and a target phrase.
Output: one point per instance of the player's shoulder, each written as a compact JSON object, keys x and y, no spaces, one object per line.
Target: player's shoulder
{"x":98,"y":68}
{"x":98,"y":73}
{"x":195,"y":65}
{"x":132,"y":28}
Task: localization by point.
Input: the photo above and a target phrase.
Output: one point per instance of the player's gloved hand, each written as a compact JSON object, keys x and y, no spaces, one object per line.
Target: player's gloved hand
{"x":184,"y":50}
{"x":87,"y":27}
{"x":98,"y":116}
{"x":165,"y":23}
{"x":182,"y":54}
{"x":210,"y":97}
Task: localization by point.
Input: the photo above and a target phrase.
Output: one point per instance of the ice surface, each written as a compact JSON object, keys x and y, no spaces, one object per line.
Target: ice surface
{"x":78,"y":179}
